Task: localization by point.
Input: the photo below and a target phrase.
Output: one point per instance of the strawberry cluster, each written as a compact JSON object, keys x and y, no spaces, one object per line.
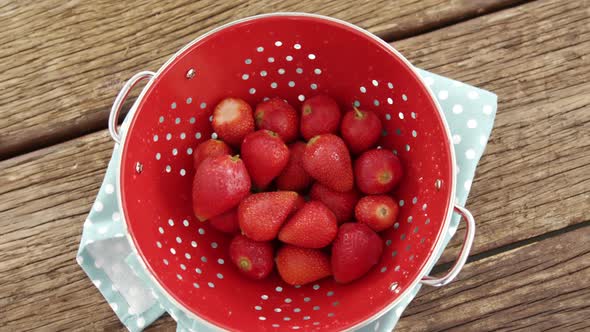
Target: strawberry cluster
{"x":311,"y":183}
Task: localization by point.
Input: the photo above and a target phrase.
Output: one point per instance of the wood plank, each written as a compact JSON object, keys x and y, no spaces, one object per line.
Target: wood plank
{"x":535,"y":186}
{"x":64,"y":62}
{"x":544,"y":286}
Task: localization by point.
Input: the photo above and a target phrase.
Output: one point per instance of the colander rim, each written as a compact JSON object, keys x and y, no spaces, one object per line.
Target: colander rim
{"x":130,"y":118}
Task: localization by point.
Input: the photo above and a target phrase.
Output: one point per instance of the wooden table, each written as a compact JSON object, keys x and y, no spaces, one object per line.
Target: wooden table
{"x":62,"y":63}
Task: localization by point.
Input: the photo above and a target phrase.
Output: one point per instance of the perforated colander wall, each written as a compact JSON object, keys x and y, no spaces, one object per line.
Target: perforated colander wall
{"x":293,"y":57}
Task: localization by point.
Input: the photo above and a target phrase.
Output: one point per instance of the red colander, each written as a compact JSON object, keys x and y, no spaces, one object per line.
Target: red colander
{"x":293,"y":56}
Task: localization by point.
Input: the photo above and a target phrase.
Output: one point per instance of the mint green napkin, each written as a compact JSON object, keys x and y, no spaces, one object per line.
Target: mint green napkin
{"x":107,"y":259}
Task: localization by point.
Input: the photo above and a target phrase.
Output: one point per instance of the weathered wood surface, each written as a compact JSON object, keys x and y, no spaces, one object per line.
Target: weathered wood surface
{"x":62,"y":63}
{"x":533,"y":179}
{"x":544,"y":286}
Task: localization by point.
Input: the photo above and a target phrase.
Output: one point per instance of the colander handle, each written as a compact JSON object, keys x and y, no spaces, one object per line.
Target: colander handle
{"x":467,"y":242}
{"x":118,"y":104}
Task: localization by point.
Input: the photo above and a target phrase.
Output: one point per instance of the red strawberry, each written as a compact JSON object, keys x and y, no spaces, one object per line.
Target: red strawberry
{"x":327,"y":160}
{"x":342,"y":204}
{"x":253,"y":259}
{"x":210,"y":148}
{"x":226,"y":222}
{"x":299,"y":203}
{"x":377,"y":171}
{"x":360,"y":130}
{"x":354,"y":251}
{"x":300,"y":266}
{"x":265,"y":156}
{"x":219,"y":185}
{"x":313,"y":226}
{"x":233,"y":120}
{"x":262,"y":215}
{"x":277,"y":115}
{"x":294,"y":176}
{"x":319,"y":115}
{"x":378,"y":212}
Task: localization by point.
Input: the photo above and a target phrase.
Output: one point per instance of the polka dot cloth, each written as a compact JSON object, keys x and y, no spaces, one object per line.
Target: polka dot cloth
{"x":121,"y":277}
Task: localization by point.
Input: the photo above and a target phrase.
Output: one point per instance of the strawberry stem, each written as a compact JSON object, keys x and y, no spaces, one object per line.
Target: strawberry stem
{"x":358,"y":113}
{"x":313,"y":139}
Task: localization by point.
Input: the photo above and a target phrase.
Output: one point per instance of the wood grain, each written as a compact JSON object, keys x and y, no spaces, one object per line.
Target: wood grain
{"x":544,"y":286}
{"x":533,"y":179}
{"x":64,"y":62}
